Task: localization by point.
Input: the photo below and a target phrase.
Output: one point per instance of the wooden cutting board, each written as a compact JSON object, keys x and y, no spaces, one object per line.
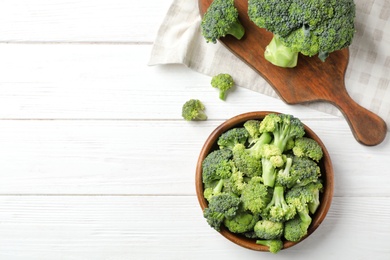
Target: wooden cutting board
{"x":312,"y":80}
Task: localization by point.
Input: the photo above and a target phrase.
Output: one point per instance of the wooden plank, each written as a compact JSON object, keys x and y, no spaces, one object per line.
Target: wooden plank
{"x":148,"y":157}
{"x":162,"y":227}
{"x":81,"y":21}
{"x":44,"y":81}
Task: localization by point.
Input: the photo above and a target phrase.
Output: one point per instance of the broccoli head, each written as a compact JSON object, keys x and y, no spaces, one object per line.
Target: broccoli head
{"x":278,"y":210}
{"x":309,"y":27}
{"x":221,"y":19}
{"x":305,"y":196}
{"x":295,"y":229}
{"x":302,"y":171}
{"x":256,"y":196}
{"x":249,"y":165}
{"x":308,"y":147}
{"x":274,"y":245}
{"x":267,"y":229}
{"x":194,"y":110}
{"x":241,"y":223}
{"x":223,"y":82}
{"x":232,"y":137}
{"x":217,"y":165}
{"x":222,"y":206}
{"x":253,"y":128}
{"x":235,"y":183}
{"x":283,"y":128}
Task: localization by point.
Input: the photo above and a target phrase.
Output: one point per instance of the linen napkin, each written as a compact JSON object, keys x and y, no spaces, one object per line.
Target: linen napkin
{"x":179,"y":41}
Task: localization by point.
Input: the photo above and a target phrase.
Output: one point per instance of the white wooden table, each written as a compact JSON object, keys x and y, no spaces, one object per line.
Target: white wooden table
{"x":97,"y":163}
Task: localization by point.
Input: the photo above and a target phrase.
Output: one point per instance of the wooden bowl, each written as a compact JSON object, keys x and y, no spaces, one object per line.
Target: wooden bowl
{"x":326,"y":172}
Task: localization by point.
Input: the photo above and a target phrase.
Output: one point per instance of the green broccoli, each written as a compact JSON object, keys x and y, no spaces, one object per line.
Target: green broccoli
{"x":278,"y":210}
{"x":275,"y":245}
{"x":232,"y":137}
{"x":295,"y":229}
{"x":249,"y":165}
{"x":241,"y":223}
{"x":235,"y":183}
{"x":214,"y":188}
{"x":309,"y":27}
{"x":256,"y":196}
{"x":267,"y":229}
{"x":279,"y":54}
{"x":303,"y":170}
{"x":302,"y":196}
{"x":220,"y":207}
{"x":283,"y":128}
{"x":221,"y":19}
{"x":308,"y":147}
{"x":217,"y":165}
{"x":253,"y":128}
{"x":194,"y":110}
{"x":223,"y":82}
{"x":272,"y":158}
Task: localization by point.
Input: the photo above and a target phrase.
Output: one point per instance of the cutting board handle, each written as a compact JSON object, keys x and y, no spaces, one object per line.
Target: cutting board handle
{"x":367,"y":128}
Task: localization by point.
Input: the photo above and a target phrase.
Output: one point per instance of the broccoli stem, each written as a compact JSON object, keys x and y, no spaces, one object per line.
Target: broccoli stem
{"x":278,"y":198}
{"x":269,"y":172}
{"x":265,"y":138}
{"x":218,"y":188}
{"x":236,"y":30}
{"x":280,"y":55}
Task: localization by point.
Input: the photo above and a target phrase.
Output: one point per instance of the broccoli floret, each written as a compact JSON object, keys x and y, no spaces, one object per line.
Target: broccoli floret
{"x":211,"y":190}
{"x":303,"y":170}
{"x":221,"y":19}
{"x":309,"y":27}
{"x":223,"y":82}
{"x":235,"y":183}
{"x":222,"y":206}
{"x":275,"y":245}
{"x":305,"y":196}
{"x":249,"y":165}
{"x":217,"y":165}
{"x":232,"y":137}
{"x":257,"y":145}
{"x":194,"y":110}
{"x":308,"y":147}
{"x":296,"y":228}
{"x":283,"y":128}
{"x":253,"y":128}
{"x":271,"y":159}
{"x":267,"y":229}
{"x":256,"y":196}
{"x":241,"y":223}
{"x":278,"y":210}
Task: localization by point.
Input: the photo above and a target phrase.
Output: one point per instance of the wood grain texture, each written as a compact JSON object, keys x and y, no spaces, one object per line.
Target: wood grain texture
{"x":311,"y":80}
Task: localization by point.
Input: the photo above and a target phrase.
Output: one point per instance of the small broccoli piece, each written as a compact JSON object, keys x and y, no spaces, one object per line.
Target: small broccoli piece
{"x":253,"y":128}
{"x":267,"y":229}
{"x":256,"y":196}
{"x":211,"y":191}
{"x":257,"y":145}
{"x":283,"y":128}
{"x":249,"y":165}
{"x":235,"y":183}
{"x":302,"y":171}
{"x":221,"y":19}
{"x":193,"y":110}
{"x":241,"y":223}
{"x":278,"y":210}
{"x":280,"y":55}
{"x":296,"y":228}
{"x":305,"y":196}
{"x":223,"y":82}
{"x":232,"y":137}
{"x":222,"y":206}
{"x":308,"y":147}
{"x":275,"y":245}
{"x":271,"y":159}
{"x":217,"y":165}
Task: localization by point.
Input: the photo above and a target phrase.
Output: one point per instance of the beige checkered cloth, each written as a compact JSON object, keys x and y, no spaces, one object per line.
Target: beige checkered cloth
{"x":368,"y":74}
